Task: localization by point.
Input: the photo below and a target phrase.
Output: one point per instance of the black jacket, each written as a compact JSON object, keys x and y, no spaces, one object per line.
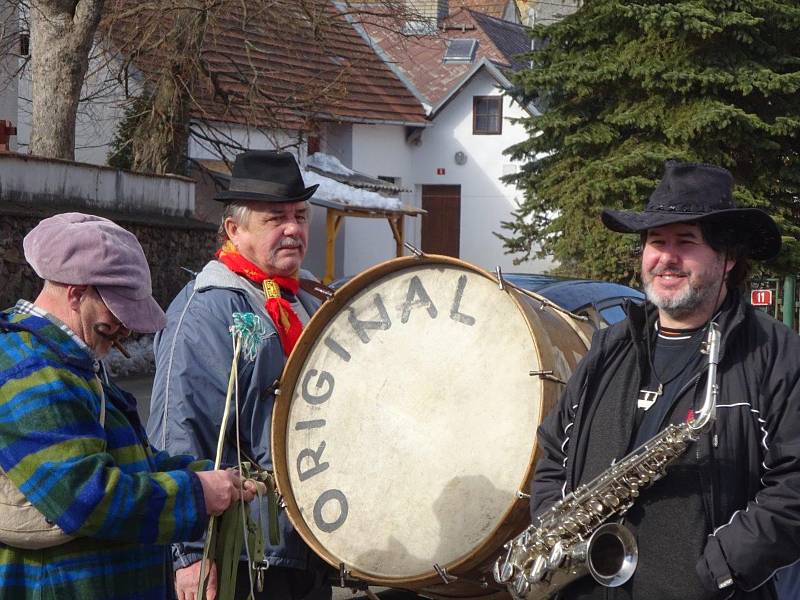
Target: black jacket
{"x":730,"y":507}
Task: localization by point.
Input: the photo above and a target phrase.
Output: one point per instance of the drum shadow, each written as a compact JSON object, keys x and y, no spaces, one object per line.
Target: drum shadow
{"x":384,"y":561}
{"x":468,"y":510}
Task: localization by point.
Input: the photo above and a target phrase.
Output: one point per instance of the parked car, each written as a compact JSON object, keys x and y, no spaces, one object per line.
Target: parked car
{"x":600,"y":301}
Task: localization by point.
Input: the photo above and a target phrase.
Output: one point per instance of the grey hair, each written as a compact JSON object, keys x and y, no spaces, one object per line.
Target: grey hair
{"x":240,"y":213}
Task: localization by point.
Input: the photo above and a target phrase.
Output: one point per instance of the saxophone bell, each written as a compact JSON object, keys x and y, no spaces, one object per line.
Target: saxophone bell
{"x":611,"y":554}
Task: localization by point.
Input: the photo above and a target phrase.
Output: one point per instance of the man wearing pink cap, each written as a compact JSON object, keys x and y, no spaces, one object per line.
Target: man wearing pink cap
{"x":90,"y":508}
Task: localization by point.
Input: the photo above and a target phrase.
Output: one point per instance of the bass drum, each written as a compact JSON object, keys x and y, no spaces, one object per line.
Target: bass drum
{"x":404,"y":434}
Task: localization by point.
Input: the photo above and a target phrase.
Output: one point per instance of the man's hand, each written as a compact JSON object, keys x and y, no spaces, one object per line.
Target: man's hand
{"x":187,"y":580}
{"x":222,"y":488}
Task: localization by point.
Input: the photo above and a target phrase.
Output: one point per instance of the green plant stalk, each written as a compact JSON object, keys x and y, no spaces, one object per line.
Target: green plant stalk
{"x":201,"y":588}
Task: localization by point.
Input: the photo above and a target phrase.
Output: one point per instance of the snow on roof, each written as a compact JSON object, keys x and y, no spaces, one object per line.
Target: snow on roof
{"x":328,"y":163}
{"x":330,"y":189}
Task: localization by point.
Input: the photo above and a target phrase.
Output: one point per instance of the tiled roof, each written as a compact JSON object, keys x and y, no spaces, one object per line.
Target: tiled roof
{"x":420,"y":58}
{"x":305,"y":65}
{"x":509,"y":38}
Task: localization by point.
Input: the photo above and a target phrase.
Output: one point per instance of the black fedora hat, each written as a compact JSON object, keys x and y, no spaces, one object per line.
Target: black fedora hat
{"x":699,"y":192}
{"x":266,"y":176}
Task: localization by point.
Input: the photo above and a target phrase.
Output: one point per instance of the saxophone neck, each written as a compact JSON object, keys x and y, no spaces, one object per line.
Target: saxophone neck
{"x":708,"y":411}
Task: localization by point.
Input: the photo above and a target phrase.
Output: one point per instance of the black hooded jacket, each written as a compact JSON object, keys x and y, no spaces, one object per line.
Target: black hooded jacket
{"x":727,"y":514}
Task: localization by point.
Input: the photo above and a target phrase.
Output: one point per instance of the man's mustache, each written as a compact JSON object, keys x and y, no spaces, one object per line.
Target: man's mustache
{"x":103,"y":330}
{"x":291,"y":242}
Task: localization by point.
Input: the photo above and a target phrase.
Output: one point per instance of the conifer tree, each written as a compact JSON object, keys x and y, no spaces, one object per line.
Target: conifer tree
{"x":626,"y":85}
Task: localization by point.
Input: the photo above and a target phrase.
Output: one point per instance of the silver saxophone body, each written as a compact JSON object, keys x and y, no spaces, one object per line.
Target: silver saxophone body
{"x":574,"y":538}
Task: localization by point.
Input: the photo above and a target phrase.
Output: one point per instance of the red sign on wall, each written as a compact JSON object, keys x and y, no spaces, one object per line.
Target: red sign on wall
{"x":761,"y":297}
{"x":440,"y":171}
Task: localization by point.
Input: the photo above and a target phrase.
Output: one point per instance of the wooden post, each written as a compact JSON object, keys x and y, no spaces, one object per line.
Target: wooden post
{"x":396,"y":225}
{"x":333,"y":219}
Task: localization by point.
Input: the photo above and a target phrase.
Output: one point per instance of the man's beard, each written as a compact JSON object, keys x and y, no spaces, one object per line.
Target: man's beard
{"x":693,"y":296}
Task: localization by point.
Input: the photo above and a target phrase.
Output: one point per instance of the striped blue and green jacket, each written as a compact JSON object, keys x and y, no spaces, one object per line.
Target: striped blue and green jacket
{"x":103,"y":484}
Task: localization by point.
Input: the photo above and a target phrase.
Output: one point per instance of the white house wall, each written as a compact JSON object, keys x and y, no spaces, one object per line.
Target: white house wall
{"x":378,"y":150}
{"x":231,"y":138}
{"x":485,"y":200}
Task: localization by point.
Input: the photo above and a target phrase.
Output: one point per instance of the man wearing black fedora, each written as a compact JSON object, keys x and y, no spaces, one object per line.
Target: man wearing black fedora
{"x":263,"y":239}
{"x":726,"y":516}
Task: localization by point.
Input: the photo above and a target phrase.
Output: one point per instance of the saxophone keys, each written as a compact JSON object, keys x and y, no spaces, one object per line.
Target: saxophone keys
{"x":557,"y":556}
{"x":503,"y":574}
{"x":521,"y":586}
{"x":539,"y":569}
{"x":598,"y":508}
{"x":611,"y":501}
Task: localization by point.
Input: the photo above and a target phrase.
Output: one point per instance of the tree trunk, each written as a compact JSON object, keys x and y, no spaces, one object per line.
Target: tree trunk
{"x":62,"y":34}
{"x":160,"y":143}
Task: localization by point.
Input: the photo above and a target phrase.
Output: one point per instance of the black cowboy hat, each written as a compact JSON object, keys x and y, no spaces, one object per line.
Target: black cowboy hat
{"x":266,"y":176}
{"x":698,"y":192}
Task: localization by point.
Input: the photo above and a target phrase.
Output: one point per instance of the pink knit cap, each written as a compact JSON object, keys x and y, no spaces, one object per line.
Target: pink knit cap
{"x":79,"y":249}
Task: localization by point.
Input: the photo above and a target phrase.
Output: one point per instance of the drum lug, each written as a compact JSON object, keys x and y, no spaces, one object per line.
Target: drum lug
{"x":414,"y":250}
{"x":547,"y":375}
{"x":273,"y":389}
{"x":442,"y":572}
{"x":346,"y":581}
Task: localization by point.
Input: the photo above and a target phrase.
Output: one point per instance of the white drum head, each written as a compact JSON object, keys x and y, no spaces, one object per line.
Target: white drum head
{"x":412,"y":421}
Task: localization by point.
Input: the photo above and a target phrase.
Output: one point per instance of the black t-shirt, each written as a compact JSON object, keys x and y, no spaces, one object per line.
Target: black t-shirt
{"x":675,"y":360}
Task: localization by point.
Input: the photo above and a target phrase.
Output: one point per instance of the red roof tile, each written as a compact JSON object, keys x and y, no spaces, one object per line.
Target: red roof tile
{"x":272,"y":67}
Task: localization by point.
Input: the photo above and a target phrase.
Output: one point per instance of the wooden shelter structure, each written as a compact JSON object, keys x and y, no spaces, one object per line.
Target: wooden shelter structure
{"x":337,"y":210}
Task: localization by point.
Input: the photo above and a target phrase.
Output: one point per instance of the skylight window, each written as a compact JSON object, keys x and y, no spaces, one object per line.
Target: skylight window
{"x":460,"y":51}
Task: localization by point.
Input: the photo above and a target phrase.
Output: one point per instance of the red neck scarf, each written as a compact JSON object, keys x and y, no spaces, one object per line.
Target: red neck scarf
{"x":286,"y":321}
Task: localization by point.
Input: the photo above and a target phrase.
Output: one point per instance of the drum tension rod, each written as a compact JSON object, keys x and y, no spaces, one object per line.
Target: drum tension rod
{"x":500,"y":281}
{"x":442,"y":572}
{"x":414,"y":250}
{"x":324,"y":290}
{"x":547,"y":375}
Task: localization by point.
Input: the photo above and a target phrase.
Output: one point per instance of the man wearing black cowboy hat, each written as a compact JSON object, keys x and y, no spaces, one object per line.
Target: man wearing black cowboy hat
{"x":726,"y":516}
{"x":263,"y":239}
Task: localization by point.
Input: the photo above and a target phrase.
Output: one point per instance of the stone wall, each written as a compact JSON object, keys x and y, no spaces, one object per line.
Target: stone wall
{"x":168,"y":242}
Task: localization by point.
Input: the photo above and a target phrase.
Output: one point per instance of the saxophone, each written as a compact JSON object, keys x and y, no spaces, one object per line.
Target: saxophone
{"x":573,"y":537}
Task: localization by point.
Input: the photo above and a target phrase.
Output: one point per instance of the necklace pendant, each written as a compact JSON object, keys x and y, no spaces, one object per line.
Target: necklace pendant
{"x":647,"y":398}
